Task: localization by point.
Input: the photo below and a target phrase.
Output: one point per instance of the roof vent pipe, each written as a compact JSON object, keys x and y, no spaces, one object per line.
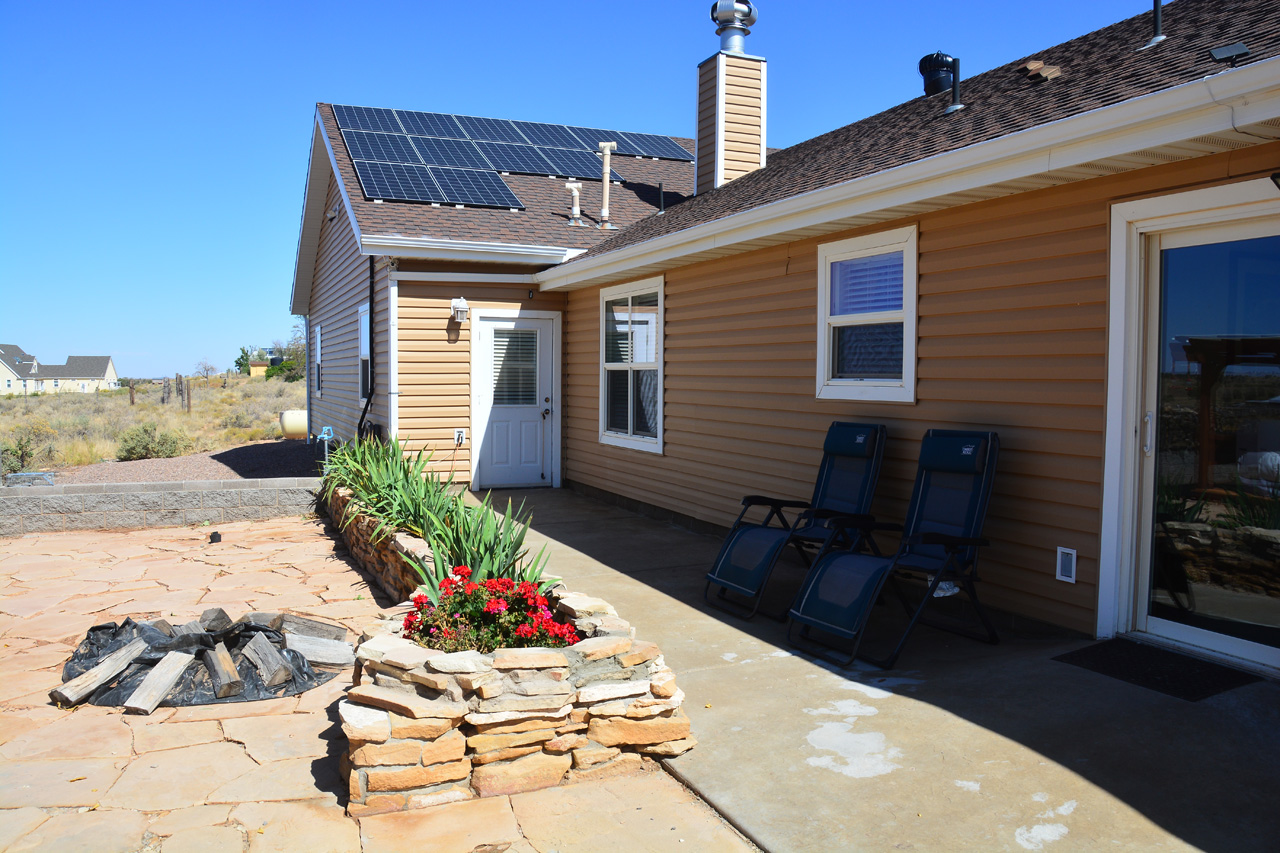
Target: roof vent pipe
{"x":576,"y":218}
{"x":941,"y":71}
{"x":606,"y":148}
{"x":732,"y":18}
{"x":1157,"y":26}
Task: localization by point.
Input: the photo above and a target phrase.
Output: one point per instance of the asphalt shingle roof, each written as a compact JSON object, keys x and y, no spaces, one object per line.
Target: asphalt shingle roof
{"x":544,"y":220}
{"x":1102,"y":68}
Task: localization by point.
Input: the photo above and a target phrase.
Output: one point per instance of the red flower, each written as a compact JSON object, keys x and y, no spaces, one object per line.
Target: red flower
{"x":526,"y":630}
{"x":420,"y":600}
{"x":462,"y":571}
{"x":470,"y":587}
{"x":495,"y":605}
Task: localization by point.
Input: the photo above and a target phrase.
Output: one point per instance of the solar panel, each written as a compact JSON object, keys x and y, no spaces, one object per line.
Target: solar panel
{"x":594,"y":136}
{"x":577,"y":164}
{"x":653,"y":145}
{"x":516,"y":158}
{"x":491,"y":129}
{"x":471,"y":186}
{"x":461,"y":153}
{"x":431,"y":124}
{"x":398,"y":181}
{"x":383,"y":147}
{"x":551,"y":135}
{"x":366,"y":118}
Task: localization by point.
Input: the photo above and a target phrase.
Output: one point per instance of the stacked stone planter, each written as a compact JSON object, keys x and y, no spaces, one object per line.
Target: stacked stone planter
{"x":426,"y":728}
{"x":386,"y":557}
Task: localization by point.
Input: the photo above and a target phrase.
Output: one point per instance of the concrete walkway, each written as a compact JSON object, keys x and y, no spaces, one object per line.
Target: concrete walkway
{"x":964,"y":747}
{"x":255,"y":776}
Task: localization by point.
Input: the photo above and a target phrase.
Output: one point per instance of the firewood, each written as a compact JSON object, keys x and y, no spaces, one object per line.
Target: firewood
{"x":192,"y":627}
{"x":77,"y":689}
{"x":270,"y":664}
{"x":321,"y":651}
{"x":215,"y":619}
{"x":291,"y":624}
{"x":159,"y":682}
{"x":226,"y":680}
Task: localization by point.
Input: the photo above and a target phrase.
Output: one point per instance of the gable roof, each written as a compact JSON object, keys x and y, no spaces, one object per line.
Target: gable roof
{"x":1101,"y":70}
{"x":539,"y":235}
{"x":16,"y":359}
{"x":77,"y":367}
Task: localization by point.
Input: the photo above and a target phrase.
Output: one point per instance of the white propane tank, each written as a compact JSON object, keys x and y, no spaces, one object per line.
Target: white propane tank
{"x":293,"y":423}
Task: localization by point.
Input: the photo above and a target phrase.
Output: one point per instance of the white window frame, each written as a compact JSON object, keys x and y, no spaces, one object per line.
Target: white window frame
{"x":875,"y":390}
{"x":317,"y":362}
{"x":362,"y":332}
{"x":634,"y":442}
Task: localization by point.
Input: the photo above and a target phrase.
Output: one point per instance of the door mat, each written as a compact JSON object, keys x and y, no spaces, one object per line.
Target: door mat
{"x":1166,"y":671}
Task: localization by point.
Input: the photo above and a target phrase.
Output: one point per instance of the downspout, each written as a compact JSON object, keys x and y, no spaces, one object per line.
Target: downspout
{"x":368,"y":400}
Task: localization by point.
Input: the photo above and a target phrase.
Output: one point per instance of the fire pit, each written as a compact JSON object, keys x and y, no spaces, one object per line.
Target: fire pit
{"x":142,"y":665}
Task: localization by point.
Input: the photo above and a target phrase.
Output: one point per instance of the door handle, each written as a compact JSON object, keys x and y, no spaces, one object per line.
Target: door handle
{"x":545,"y":412}
{"x":1149,"y":422}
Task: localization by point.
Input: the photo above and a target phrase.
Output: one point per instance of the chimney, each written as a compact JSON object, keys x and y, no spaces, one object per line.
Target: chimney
{"x":731,"y":101}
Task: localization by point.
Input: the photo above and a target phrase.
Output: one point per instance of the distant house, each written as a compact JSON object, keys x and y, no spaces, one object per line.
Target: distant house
{"x":258,"y":368}
{"x":22,"y":373}
{"x":1020,"y":252}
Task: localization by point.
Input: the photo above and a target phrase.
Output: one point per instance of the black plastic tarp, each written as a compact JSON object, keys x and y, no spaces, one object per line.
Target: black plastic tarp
{"x":194,"y":687}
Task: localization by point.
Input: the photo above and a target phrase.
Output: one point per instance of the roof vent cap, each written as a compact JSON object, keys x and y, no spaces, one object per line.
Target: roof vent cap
{"x":732,"y":18}
{"x":936,"y":68}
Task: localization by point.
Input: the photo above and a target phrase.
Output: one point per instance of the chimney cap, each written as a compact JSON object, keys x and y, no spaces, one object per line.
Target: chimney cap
{"x":732,"y":18}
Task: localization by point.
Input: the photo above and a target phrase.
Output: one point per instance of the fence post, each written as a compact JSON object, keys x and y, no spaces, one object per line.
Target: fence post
{"x":188,"y":396}
{"x":164,"y":392}
{"x":132,"y":400}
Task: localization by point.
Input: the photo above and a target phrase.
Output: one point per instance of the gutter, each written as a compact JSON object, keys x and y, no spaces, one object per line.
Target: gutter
{"x":434,"y":248}
{"x":1212,"y":104}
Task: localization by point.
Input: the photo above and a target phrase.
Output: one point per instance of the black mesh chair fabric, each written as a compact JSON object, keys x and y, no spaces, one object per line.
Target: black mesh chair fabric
{"x":949,"y":499}
{"x":844,"y":486}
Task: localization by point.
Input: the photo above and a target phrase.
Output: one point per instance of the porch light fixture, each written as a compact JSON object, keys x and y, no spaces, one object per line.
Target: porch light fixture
{"x":460,"y":309}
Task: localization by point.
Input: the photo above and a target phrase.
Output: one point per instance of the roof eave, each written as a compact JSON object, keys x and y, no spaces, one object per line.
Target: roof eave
{"x":1231,"y":99}
{"x":319,"y":167}
{"x":437,"y":249}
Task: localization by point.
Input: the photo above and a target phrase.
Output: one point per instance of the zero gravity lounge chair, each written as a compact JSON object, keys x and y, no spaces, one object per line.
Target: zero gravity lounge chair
{"x":940,"y":540}
{"x":846,"y":482}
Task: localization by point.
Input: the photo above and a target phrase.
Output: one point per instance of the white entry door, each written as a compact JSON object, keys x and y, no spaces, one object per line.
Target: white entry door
{"x":515,"y":408}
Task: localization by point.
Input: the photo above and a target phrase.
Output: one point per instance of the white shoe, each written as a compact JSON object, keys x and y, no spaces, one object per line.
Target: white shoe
{"x":945,"y":588}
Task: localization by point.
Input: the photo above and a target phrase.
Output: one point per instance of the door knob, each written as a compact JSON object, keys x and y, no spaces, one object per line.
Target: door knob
{"x":545,"y":412}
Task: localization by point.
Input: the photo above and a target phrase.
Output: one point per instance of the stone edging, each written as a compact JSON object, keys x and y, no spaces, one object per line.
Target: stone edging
{"x":426,"y":728}
{"x":387,"y":558}
{"x":104,"y":506}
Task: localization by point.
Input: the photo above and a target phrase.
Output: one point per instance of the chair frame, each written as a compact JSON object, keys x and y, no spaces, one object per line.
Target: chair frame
{"x":837,"y":534}
{"x":959,"y":566}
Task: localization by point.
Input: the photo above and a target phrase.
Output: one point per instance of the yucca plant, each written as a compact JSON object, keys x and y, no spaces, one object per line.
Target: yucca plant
{"x":491,"y":545}
{"x":1247,"y":509}
{"x":391,"y":486}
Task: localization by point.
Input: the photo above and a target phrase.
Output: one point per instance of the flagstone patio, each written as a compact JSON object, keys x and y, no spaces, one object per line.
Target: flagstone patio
{"x":262,"y":774}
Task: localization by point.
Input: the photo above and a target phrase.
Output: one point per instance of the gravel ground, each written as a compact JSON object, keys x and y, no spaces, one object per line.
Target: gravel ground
{"x":259,"y":460}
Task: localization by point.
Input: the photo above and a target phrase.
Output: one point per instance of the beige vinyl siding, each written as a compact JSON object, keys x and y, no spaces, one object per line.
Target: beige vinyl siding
{"x":742,"y":113}
{"x":743,"y":116}
{"x":340,"y":286}
{"x":1012,"y":332}
{"x":706,"y":130}
{"x":435,"y":363}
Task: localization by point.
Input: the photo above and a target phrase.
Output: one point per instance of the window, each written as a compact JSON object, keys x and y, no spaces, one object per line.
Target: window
{"x":84,"y":386}
{"x":631,"y":365}
{"x":55,"y":382}
{"x":867,"y":318}
{"x":8,"y":383}
{"x":365,"y":378}
{"x":315,"y":355}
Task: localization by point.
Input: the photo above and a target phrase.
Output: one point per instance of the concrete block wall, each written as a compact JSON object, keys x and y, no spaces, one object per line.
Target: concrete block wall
{"x":106,"y":506}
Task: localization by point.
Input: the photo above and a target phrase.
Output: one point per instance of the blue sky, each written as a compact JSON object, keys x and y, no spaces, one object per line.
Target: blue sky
{"x":154,"y":155}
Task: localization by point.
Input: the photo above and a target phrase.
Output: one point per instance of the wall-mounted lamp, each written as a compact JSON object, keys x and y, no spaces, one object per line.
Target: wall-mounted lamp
{"x":459,"y":308}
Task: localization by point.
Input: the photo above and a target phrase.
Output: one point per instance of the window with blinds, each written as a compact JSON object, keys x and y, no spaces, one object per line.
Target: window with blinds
{"x":631,"y":365}
{"x":515,"y":367}
{"x":867,"y":325}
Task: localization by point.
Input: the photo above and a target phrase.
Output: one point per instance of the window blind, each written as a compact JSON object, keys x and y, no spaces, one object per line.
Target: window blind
{"x":515,"y":367}
{"x":866,"y":285}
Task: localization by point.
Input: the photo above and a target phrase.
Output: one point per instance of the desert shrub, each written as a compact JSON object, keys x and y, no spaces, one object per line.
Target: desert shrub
{"x":238,"y":419}
{"x":145,"y":441}
{"x":30,"y":443}
{"x":289,"y":371}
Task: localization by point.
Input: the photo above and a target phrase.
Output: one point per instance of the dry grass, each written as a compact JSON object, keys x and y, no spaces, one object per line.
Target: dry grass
{"x":88,"y":426}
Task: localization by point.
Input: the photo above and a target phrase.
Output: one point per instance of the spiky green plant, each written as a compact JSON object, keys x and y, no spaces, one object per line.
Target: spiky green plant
{"x":1248,"y":509}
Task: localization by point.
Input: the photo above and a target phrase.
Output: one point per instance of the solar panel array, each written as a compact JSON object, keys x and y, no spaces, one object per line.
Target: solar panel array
{"x":405,"y":155}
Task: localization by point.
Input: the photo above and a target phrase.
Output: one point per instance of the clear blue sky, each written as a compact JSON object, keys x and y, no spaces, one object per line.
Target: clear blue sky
{"x":153,"y":155}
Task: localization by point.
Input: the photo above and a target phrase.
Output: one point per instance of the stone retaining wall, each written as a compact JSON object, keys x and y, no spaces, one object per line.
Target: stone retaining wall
{"x":426,"y":728}
{"x":102,"y":506}
{"x":386,"y":557}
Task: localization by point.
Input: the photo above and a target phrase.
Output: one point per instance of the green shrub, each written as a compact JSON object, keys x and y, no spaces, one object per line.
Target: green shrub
{"x":289,"y":371}
{"x":145,"y":441}
{"x":30,"y":443}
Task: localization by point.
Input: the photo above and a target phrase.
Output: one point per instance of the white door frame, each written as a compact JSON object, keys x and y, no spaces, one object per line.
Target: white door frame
{"x":480,"y":417}
{"x":1130,"y":223}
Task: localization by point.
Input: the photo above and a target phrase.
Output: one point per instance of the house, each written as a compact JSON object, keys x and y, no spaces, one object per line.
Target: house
{"x":258,"y":368}
{"x":22,"y":373}
{"x":1078,"y":249}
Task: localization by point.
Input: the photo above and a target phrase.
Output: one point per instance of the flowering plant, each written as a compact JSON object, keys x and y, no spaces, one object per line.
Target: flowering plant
{"x":492,"y":614}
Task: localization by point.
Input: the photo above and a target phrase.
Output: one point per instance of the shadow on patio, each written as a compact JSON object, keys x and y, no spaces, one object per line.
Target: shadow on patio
{"x":964,"y":746}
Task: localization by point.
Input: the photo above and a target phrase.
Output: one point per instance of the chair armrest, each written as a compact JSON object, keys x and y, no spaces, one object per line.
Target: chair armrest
{"x":776,"y":503}
{"x":952,"y":543}
{"x":841,"y":522}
